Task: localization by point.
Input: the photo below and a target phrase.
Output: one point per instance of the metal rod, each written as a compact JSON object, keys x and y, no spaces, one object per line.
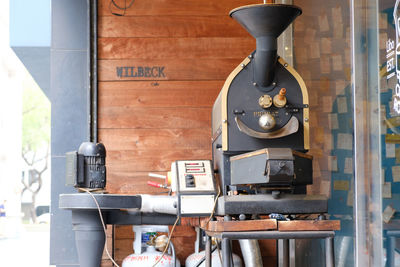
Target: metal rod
{"x":226,"y":253}
{"x":329,"y":252}
{"x":226,"y":248}
{"x":275,"y":235}
{"x":208,"y":251}
{"x":89,"y":68}
{"x":292,"y":252}
{"x":391,"y":244}
{"x":283,"y":253}
{"x":93,"y":71}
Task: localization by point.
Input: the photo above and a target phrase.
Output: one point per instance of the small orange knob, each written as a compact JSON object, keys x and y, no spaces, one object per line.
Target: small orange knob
{"x":282,"y":94}
{"x":280,"y":99}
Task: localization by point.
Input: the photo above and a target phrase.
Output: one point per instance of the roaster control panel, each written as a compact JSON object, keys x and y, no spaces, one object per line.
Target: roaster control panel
{"x":194,"y":176}
{"x":193,"y":182}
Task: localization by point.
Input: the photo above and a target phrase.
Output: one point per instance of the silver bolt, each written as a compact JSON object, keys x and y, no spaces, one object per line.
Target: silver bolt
{"x":255,"y":84}
{"x":306,"y":119}
{"x":242,"y":65}
{"x":286,"y":65}
{"x":274,"y":83}
{"x":224,"y":121}
{"x":250,"y":56}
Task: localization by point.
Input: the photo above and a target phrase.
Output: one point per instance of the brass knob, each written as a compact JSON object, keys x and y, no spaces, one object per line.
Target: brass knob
{"x":280,"y":99}
{"x":265,"y":101}
{"x":267,"y":121}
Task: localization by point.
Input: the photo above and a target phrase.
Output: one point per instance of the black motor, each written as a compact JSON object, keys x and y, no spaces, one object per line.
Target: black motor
{"x":86,"y":168}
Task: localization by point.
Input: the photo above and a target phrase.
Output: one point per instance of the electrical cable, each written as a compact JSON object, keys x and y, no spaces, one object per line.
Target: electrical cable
{"x":102,"y":222}
{"x":219,"y":253}
{"x":215,"y":205}
{"x":208,"y":221}
{"x":169,"y":240}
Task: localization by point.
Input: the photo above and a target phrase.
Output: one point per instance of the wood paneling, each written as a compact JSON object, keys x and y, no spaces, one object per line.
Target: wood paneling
{"x":175,"y":7}
{"x":170,"y":26}
{"x":155,"y":118}
{"x":175,"y":48}
{"x":132,"y":182}
{"x":148,"y":160}
{"x":158,"y":94}
{"x":155,"y":139}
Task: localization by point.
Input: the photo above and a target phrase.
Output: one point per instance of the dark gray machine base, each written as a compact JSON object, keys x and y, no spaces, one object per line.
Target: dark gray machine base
{"x":105,"y":201}
{"x":115,"y":209}
{"x":266,"y":204}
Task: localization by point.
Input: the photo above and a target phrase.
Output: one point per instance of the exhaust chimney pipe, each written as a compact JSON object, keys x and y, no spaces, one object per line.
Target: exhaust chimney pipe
{"x":265,"y":60}
{"x":265,"y":22}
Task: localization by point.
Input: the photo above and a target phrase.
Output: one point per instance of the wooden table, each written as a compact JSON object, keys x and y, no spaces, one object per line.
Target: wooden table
{"x":271,"y":229}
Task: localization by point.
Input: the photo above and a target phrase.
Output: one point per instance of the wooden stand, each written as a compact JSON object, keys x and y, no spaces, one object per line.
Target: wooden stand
{"x":271,"y":229}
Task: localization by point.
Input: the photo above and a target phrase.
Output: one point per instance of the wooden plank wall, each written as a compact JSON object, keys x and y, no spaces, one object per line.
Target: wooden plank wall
{"x":148,"y":122}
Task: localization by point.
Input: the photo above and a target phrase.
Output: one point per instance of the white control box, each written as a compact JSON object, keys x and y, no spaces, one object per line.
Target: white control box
{"x":193,"y":181}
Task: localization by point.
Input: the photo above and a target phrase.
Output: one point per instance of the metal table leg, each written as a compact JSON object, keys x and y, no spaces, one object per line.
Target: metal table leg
{"x":329,"y":252}
{"x":283,"y":253}
{"x":292,"y":252}
{"x":208,"y":251}
{"x":89,"y":237}
{"x":226,"y":248}
{"x":391,"y":243}
{"x":226,"y":252}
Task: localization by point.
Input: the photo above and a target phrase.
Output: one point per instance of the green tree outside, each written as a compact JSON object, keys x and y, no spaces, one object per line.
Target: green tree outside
{"x":35,"y":140}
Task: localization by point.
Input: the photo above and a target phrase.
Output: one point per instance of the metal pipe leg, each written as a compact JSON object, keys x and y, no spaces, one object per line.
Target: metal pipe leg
{"x":226,"y":252}
{"x":292,"y":252}
{"x":226,"y":248}
{"x":283,"y":253}
{"x":329,"y":252}
{"x":208,"y":251}
{"x":391,"y":242}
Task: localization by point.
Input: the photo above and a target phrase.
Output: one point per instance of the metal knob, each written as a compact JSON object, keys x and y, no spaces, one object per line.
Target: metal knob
{"x":265,"y":101}
{"x":280,"y":99}
{"x":267,"y":121}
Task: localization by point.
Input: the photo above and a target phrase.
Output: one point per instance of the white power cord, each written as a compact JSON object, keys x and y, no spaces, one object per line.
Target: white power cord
{"x":102,"y":222}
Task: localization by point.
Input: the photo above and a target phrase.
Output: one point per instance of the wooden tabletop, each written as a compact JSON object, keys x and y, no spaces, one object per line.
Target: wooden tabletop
{"x":271,"y":224}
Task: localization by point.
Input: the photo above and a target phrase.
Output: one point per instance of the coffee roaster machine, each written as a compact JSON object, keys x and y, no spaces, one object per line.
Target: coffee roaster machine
{"x":260,"y":165}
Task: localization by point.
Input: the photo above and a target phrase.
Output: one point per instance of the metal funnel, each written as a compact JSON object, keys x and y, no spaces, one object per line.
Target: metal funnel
{"x":265,"y":22}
